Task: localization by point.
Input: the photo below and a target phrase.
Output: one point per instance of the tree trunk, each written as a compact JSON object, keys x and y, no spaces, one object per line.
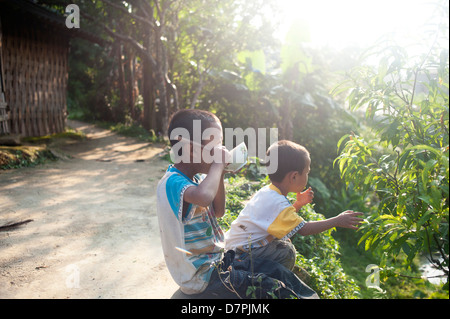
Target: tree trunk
{"x":201,"y":83}
{"x":131,"y":79}
{"x":286,"y":128}
{"x":163,"y":114}
{"x":122,"y":86}
{"x":161,"y":83}
{"x":147,"y":91}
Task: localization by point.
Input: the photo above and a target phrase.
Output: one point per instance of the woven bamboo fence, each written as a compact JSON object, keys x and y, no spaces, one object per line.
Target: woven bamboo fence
{"x":3,"y":118}
{"x":35,"y":69}
{"x":4,"y":129}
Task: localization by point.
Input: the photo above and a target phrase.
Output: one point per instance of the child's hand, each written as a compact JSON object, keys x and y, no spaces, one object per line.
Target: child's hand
{"x":304,"y":198}
{"x":349,"y":219}
{"x":221,"y":155}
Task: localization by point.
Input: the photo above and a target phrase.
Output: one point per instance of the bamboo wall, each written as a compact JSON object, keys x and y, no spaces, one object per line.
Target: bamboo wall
{"x":35,"y":68}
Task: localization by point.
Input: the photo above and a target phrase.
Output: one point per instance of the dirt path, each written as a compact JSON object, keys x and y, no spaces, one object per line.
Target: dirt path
{"x":94,"y":232}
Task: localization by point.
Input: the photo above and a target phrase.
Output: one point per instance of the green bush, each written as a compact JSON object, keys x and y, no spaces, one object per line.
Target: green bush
{"x":319,"y":256}
{"x":402,"y":153}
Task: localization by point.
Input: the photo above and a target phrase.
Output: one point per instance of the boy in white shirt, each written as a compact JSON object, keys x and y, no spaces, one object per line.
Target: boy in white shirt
{"x":264,"y":227}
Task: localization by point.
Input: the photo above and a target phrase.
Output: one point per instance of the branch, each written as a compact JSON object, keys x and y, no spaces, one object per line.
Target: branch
{"x":144,"y":10}
{"x":158,"y":9}
{"x":139,"y":47}
{"x":148,"y":8}
{"x":133,"y":15}
{"x":200,"y":85}
{"x":422,"y":277}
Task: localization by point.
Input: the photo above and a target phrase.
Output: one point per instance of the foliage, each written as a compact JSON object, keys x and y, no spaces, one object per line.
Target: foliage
{"x":210,"y":34}
{"x":132,"y":130}
{"x":287,"y":88}
{"x":151,"y":58}
{"x":403,"y":156}
{"x":34,"y":150}
{"x":23,"y":156}
{"x":239,"y":190}
{"x":319,"y":256}
{"x":91,"y":93}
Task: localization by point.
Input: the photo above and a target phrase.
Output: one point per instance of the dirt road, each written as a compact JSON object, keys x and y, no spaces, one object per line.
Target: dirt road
{"x":94,"y":232}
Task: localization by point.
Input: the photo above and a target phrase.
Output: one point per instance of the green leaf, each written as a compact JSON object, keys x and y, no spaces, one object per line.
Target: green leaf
{"x":366,"y":235}
{"x":318,"y":185}
{"x":423,"y":219}
{"x":426,"y":172}
{"x":343,"y":138}
{"x":426,"y":148}
{"x":403,"y":159}
{"x":391,"y":218}
{"x":257,"y":60}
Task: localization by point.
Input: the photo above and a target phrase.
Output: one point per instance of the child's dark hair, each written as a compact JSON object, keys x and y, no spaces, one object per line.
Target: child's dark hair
{"x":291,"y":157}
{"x":185,"y":119}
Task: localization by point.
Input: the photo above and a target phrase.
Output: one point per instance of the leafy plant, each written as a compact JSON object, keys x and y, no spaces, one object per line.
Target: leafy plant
{"x":23,"y":156}
{"x":403,"y":156}
{"x":319,"y":255}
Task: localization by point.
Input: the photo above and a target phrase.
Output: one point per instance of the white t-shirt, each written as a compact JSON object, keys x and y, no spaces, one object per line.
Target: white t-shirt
{"x":268,"y":215}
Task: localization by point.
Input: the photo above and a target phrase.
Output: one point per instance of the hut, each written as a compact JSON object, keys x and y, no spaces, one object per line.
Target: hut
{"x":34,"y":48}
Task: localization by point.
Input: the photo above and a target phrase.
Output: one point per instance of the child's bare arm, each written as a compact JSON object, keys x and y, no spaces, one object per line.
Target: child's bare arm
{"x":219,"y":200}
{"x":211,"y":188}
{"x":204,"y":194}
{"x":347,"y":219}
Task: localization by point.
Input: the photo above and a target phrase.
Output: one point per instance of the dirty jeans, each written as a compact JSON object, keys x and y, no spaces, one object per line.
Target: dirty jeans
{"x":266,"y":279}
{"x":281,"y":251}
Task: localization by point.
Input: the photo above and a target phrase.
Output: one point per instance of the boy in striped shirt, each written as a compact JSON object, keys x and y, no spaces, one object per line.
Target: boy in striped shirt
{"x":188,"y":206}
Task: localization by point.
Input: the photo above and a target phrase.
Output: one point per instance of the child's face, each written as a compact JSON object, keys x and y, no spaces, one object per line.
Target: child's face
{"x":300,"y":180}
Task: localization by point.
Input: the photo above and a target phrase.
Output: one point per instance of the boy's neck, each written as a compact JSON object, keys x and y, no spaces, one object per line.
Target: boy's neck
{"x":282,"y":187}
{"x":187,"y":169}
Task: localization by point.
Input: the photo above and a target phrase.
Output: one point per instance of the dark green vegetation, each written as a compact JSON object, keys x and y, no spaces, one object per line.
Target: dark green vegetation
{"x":378,"y":143}
{"x":23,"y":156}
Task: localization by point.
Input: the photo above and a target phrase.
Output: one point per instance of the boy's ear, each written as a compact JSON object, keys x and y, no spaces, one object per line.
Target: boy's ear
{"x":292,"y":176}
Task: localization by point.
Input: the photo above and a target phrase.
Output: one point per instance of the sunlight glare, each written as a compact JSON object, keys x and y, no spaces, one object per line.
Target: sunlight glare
{"x":355,"y":22}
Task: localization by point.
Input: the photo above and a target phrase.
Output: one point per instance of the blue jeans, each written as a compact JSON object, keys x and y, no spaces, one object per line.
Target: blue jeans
{"x":266,"y":279}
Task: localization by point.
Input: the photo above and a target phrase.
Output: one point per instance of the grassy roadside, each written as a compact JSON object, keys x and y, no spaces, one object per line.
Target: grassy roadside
{"x":131,"y":130}
{"x":34,"y":150}
{"x":37,"y":150}
{"x":23,"y":156}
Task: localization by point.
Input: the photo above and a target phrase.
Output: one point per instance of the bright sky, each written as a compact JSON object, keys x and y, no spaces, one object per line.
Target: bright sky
{"x":362,"y":22}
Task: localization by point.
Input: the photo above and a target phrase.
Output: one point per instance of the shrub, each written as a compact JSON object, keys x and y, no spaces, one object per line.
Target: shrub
{"x":403,"y":154}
